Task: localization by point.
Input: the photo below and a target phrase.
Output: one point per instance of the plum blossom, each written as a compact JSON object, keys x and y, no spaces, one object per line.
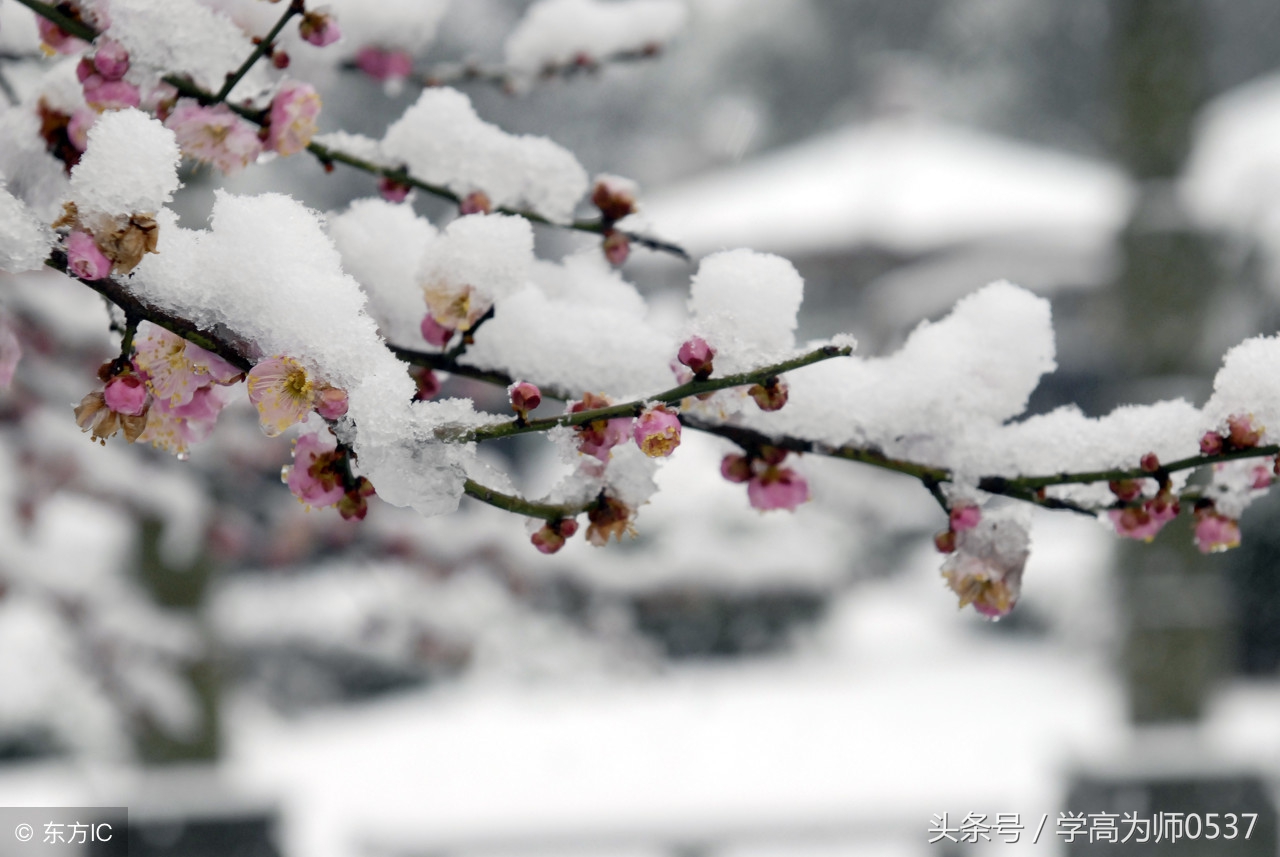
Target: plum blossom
{"x":657,"y":432}
{"x":1143,"y":522}
{"x":214,"y":135}
{"x":476,"y":202}
{"x":163,"y":359}
{"x":384,"y":65}
{"x":777,"y":488}
{"x":84,"y":259}
{"x":427,"y":381}
{"x":176,"y":428}
{"x":313,"y":477}
{"x":332,"y":403}
{"x":1215,"y":532}
{"x":598,"y":437}
{"x":986,"y":568}
{"x":392,"y":190}
{"x":769,"y":396}
{"x":319,"y":28}
{"x":964,"y":517}
{"x":617,"y":247}
{"x":292,"y":121}
{"x":55,"y":40}
{"x":454,"y":307}
{"x":282,"y":392}
{"x":126,"y":394}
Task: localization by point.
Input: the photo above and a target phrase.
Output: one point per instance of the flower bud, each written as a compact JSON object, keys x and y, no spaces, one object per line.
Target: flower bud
{"x":771,"y":395}
{"x":434,"y":332}
{"x":525,"y":397}
{"x":392,"y":190}
{"x":614,"y":196}
{"x":476,"y":202}
{"x":1211,"y":443}
{"x":428,"y":383}
{"x":319,"y":28}
{"x":126,"y":394}
{"x":332,"y":403}
{"x":965,"y":517}
{"x":1150,"y":463}
{"x":617,"y":247}
{"x":735,"y":468}
{"x":84,"y":259}
{"x":697,"y":355}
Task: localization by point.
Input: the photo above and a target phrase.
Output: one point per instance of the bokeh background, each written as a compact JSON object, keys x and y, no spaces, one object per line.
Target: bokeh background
{"x":253,"y":679}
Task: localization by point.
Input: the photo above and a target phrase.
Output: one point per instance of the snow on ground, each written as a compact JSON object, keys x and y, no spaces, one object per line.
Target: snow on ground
{"x":906,"y":184}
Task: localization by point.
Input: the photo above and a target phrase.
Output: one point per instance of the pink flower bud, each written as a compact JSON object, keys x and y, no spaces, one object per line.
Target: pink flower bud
{"x":617,"y":247}
{"x":392,"y":190}
{"x":332,"y":403}
{"x":111,"y":94}
{"x":126,"y":394}
{"x":735,"y":468}
{"x":553,"y":534}
{"x":965,"y":517}
{"x":428,"y":383}
{"x":697,"y":354}
{"x":657,"y":432}
{"x":84,"y":259}
{"x":476,"y":202}
{"x":1126,"y":489}
{"x":280,"y":59}
{"x":319,"y":28}
{"x":314,"y":477}
{"x":771,"y":395}
{"x":525,"y":397}
{"x":434,"y":332}
{"x":111,"y":60}
{"x":384,"y":65}
{"x":1211,"y":443}
{"x":56,"y":40}
{"x":78,"y":128}
{"x":1242,"y":433}
{"x":1263,"y":476}
{"x":945,"y":541}
{"x":1150,"y":463}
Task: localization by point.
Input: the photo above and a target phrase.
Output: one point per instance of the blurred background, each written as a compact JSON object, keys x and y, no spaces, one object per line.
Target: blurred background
{"x":184,"y":638}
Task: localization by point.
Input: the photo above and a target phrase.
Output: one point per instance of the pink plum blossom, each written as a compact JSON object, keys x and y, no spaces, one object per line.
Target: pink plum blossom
{"x":84,"y":259}
{"x":383,"y":64}
{"x":476,"y":202}
{"x":657,"y":432}
{"x":598,"y":437}
{"x":697,"y":355}
{"x":985,"y":569}
{"x":617,"y":247}
{"x":965,"y":517}
{"x":736,"y":468}
{"x":777,"y":488}
{"x":214,"y":135}
{"x":455,"y":307}
{"x":111,"y":94}
{"x":54,"y":39}
{"x":312,"y":477}
{"x":208,"y":363}
{"x":176,"y":428}
{"x":162,"y":358}
{"x":769,"y":396}
{"x":293,"y":115}
{"x":1215,"y":532}
{"x":319,"y":28}
{"x":282,"y":392}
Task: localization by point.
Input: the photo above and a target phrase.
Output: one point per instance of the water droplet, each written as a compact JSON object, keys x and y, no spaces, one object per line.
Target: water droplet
{"x":184,"y":456}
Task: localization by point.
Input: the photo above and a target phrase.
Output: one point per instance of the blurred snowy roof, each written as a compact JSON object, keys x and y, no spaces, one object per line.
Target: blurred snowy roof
{"x":906,"y":183}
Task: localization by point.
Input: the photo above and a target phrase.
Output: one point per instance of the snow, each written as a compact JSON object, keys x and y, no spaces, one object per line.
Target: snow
{"x":130,"y":167}
{"x":905,"y":184}
{"x":406,"y":25}
{"x":744,"y":305}
{"x":184,"y":37}
{"x":24,"y":240}
{"x":557,"y":32}
{"x":442,"y":141}
{"x":491,"y":253}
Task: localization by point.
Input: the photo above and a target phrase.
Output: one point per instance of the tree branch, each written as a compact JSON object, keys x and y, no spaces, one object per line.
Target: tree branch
{"x":294,"y":8}
{"x":511,"y":503}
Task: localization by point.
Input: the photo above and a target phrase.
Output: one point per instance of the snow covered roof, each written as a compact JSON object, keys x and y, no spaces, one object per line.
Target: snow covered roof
{"x":907,"y":184}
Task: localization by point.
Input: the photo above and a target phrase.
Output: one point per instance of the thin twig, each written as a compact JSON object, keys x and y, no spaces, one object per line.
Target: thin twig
{"x":259,"y":52}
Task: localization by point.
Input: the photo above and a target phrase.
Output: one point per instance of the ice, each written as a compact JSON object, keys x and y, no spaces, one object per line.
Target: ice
{"x":267,"y":272}
{"x":557,"y":32}
{"x":24,"y":240}
{"x":381,"y":244}
{"x":187,"y":38}
{"x":744,"y":304}
{"x":492,"y":253}
{"x":406,"y":25}
{"x":442,"y":141}
{"x":130,"y":167}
